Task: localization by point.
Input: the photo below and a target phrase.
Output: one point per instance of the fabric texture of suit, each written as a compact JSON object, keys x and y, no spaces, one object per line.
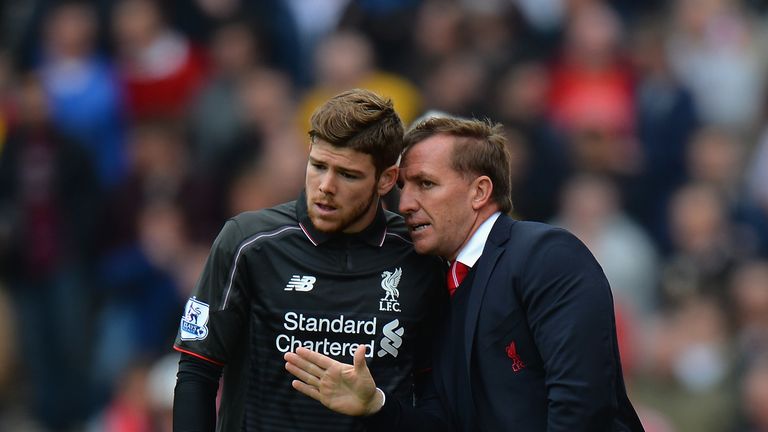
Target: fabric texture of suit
{"x":539,"y":338}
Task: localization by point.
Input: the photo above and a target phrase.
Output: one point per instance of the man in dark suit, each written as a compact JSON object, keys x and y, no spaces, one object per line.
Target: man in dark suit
{"x":529,"y":340}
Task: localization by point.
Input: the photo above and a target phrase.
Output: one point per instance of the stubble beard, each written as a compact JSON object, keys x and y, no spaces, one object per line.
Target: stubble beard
{"x":339,"y":225}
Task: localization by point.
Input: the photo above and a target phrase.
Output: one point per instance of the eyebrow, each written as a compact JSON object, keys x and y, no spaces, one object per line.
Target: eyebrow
{"x":339,"y":168}
{"x":417,"y":176}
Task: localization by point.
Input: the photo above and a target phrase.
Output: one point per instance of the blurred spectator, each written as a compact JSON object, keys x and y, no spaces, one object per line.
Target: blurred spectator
{"x":388,"y":24}
{"x":717,"y":158}
{"x":755,"y":396}
{"x":344,"y":60}
{"x":686,"y":371}
{"x":706,"y":246}
{"x":590,"y":209}
{"x":591,"y":84}
{"x":215,"y":120}
{"x":715,"y":49}
{"x":160,"y":169}
{"x":757,"y":181}
{"x":457,"y":86}
{"x":749,"y":309}
{"x":492,"y":29}
{"x":313,"y":21}
{"x":49,"y":202}
{"x":666,"y":118}
{"x":83,"y":89}
{"x":7,"y":109}
{"x":144,"y":288}
{"x":143,"y":401}
{"x":591,"y":95}
{"x":200,"y":19}
{"x":437,"y":35}
{"x":267,"y":165}
{"x":545,"y":21}
{"x":519,"y":102}
{"x":160,"y":69}
{"x":128,"y":410}
{"x":9,"y":358}
{"x":160,"y":382}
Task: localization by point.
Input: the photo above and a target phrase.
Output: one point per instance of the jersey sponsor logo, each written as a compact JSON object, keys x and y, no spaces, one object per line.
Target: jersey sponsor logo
{"x":294,"y":321}
{"x":301,"y":283}
{"x":392,"y":339}
{"x":326,"y":334}
{"x":285,"y":343}
{"x":389,"y":282}
{"x":193,"y":322}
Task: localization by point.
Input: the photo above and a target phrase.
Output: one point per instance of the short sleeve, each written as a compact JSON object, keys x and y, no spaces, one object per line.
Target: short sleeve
{"x":215,"y":316}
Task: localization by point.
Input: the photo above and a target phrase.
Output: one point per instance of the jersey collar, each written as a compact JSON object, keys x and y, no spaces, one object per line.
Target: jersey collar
{"x":373,"y":234}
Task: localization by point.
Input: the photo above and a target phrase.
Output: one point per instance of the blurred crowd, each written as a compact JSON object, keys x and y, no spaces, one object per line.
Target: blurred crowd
{"x":130,"y":130}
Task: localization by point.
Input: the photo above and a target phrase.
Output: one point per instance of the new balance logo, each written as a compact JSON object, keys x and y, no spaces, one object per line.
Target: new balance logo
{"x":301,"y":283}
{"x":393,"y":338}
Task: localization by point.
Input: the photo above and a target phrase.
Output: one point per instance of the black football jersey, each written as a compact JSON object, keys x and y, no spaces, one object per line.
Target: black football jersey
{"x":273,"y":283}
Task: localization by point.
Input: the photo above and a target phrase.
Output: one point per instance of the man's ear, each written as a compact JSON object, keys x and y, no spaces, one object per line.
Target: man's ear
{"x":482,"y":188}
{"x":387,"y":180}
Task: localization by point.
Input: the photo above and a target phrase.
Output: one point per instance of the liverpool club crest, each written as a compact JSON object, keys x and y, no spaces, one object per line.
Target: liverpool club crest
{"x":389,"y":282}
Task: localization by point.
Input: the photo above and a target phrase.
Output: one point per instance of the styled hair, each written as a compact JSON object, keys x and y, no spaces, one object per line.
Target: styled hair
{"x":480,"y":148}
{"x":363,"y":121}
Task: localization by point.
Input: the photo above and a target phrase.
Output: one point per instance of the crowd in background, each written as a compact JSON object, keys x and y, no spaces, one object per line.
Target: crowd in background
{"x":130,"y":130}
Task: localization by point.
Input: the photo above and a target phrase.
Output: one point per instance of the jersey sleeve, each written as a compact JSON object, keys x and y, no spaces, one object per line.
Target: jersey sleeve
{"x":215,"y":316}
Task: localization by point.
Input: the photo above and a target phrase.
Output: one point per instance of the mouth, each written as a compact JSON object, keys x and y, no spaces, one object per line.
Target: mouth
{"x":415,"y":228}
{"x":324,"y":208}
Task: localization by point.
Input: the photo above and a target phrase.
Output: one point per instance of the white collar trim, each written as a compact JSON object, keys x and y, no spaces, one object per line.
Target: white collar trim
{"x":471,"y":252}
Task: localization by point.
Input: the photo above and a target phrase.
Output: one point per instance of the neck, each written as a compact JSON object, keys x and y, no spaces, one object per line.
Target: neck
{"x":481,"y":216}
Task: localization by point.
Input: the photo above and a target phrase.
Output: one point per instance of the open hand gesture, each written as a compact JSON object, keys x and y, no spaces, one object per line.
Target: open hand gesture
{"x":344,"y":388}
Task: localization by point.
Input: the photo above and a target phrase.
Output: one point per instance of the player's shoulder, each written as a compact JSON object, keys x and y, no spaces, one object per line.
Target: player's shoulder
{"x":396,"y":227}
{"x":251,"y":222}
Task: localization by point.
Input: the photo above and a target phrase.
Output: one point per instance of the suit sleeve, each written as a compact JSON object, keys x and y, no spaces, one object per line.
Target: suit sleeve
{"x":427,"y":416}
{"x":570,"y":313}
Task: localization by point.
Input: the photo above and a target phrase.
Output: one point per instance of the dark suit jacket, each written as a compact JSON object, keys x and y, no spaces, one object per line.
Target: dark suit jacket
{"x":539,"y":337}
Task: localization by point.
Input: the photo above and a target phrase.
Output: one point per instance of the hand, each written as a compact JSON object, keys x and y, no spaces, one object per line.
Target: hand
{"x":346,"y":389}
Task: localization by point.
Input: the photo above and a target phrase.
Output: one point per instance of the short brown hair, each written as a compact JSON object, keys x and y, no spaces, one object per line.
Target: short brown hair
{"x":363,"y":121}
{"x":480,"y":148}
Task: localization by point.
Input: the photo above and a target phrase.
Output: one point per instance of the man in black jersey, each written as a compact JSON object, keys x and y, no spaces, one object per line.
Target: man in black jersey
{"x":330,"y":272}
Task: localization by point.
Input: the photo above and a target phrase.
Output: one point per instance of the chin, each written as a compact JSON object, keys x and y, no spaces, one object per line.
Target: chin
{"x":421,"y":248}
{"x":323,"y":224}
{"x":327,"y":227}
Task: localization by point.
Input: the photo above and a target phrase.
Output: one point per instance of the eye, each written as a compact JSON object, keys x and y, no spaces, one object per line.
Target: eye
{"x":349,"y":176}
{"x":426,"y":184}
{"x":317,"y":166}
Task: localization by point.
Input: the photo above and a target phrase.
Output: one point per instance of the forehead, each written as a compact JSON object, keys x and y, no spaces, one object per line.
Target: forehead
{"x":341,"y":157}
{"x":433,"y":156}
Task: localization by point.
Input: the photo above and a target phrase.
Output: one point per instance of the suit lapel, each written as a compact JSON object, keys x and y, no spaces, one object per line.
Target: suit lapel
{"x":485,"y":265}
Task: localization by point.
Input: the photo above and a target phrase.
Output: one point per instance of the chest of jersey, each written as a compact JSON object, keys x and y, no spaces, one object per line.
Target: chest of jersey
{"x":331,"y":300}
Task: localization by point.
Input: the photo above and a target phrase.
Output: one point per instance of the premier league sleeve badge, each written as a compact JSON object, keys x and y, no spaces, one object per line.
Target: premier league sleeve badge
{"x":194,"y":320}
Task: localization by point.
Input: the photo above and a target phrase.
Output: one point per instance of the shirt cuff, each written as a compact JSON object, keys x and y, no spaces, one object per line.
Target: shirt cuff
{"x":383,"y":398}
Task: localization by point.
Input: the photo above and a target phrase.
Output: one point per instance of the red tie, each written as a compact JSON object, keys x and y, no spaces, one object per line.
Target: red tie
{"x":456,"y":274}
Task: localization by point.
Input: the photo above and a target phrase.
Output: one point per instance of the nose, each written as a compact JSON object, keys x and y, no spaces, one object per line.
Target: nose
{"x":408,"y":203}
{"x":326,"y":185}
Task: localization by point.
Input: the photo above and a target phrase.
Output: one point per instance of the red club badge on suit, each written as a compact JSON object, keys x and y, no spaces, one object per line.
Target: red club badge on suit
{"x":517,"y":362}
